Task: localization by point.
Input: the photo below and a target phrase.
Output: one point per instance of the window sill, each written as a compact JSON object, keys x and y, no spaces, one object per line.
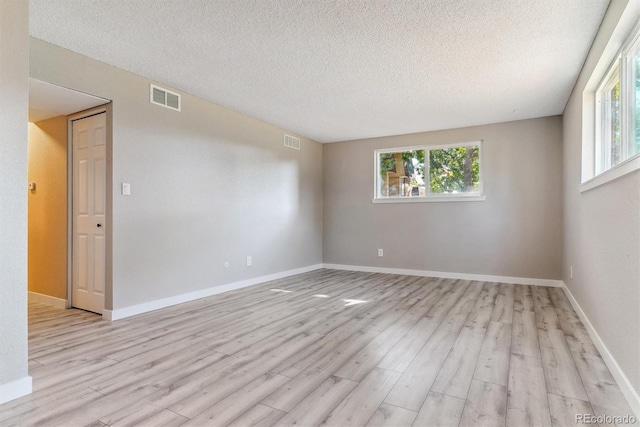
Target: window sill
{"x":431,"y":199}
{"x":618,"y":171}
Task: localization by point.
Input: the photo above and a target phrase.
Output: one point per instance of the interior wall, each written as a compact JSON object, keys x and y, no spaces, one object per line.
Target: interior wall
{"x":14,"y":98}
{"x":515,"y":232}
{"x":47,"y":213}
{"x":208,"y":185}
{"x":602,"y":233}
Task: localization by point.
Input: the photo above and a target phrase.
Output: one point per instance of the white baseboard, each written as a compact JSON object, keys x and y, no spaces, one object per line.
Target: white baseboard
{"x":48,"y":299}
{"x":448,"y":275}
{"x":15,"y":389}
{"x":121,"y":313}
{"x":133,"y":310}
{"x":625,"y":385}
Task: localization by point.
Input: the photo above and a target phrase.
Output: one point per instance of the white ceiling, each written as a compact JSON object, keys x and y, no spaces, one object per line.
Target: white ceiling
{"x":337,"y":70}
{"x":47,"y":100}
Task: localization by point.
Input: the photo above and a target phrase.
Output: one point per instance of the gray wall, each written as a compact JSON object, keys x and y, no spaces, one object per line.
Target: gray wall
{"x":14,"y":98}
{"x":208,"y":185}
{"x":602,"y":234}
{"x":516,"y":232}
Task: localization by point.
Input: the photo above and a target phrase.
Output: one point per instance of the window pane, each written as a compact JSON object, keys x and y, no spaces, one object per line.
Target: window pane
{"x":614,"y":125}
{"x":609,"y":149}
{"x":634,"y":145}
{"x":454,"y":170}
{"x":401,"y":174}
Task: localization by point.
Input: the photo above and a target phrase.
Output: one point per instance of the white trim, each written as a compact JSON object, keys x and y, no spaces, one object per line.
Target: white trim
{"x":48,"y":299}
{"x":449,"y":275}
{"x":432,"y":199}
{"x":87,"y":113}
{"x":623,"y":382}
{"x":618,"y":171}
{"x":132,"y":310}
{"x":15,"y":389}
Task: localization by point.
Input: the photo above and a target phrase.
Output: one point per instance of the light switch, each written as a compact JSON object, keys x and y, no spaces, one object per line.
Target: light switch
{"x":126,"y":189}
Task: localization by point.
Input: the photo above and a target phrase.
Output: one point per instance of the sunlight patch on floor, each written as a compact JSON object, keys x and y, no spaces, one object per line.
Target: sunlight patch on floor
{"x":353,"y":302}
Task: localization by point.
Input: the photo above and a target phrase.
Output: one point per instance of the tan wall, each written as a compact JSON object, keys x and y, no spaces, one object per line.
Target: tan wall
{"x":515,"y":232}
{"x":47,"y":225}
{"x":602,"y":233}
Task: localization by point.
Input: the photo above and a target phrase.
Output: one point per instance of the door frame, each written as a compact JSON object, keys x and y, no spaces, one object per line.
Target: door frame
{"x":108,"y":262}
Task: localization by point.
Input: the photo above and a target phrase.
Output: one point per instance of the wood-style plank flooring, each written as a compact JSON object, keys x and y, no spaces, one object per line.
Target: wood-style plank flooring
{"x":331,"y":348}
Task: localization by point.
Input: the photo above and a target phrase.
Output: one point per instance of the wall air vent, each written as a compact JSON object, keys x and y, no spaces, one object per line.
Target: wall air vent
{"x":164,"y":97}
{"x":291,"y":142}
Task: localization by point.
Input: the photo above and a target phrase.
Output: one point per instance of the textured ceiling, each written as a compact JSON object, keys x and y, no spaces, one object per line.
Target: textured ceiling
{"x":336,"y":70}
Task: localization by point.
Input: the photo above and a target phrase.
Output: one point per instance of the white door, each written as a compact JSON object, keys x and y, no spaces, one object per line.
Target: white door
{"x":88,"y":252}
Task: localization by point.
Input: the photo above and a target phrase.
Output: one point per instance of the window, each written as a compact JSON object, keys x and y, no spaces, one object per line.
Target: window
{"x":617,"y":136}
{"x":429,"y":173}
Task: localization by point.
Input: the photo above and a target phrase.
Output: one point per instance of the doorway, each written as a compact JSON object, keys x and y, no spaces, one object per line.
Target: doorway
{"x":52,"y":242}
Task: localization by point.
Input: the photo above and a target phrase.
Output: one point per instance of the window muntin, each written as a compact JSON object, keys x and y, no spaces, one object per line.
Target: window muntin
{"x":428,"y":171}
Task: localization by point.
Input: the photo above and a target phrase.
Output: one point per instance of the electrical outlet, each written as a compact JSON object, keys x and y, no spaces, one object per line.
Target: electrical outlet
{"x":571,"y":272}
{"x":226,"y":264}
{"x":380,"y":252}
{"x":249,"y":261}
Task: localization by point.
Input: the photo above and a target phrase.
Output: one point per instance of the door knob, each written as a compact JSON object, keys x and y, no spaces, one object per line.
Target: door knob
{"x":99,"y":226}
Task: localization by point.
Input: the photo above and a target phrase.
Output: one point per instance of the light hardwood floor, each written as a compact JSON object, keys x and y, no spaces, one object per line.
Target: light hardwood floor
{"x":324,"y":348}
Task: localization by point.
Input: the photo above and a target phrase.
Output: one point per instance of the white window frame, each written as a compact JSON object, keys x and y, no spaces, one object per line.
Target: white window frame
{"x":616,"y":56}
{"x":428,"y":197}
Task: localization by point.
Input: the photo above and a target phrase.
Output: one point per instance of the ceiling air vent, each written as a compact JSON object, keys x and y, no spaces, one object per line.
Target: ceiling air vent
{"x":164,"y":97}
{"x":291,"y":142}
